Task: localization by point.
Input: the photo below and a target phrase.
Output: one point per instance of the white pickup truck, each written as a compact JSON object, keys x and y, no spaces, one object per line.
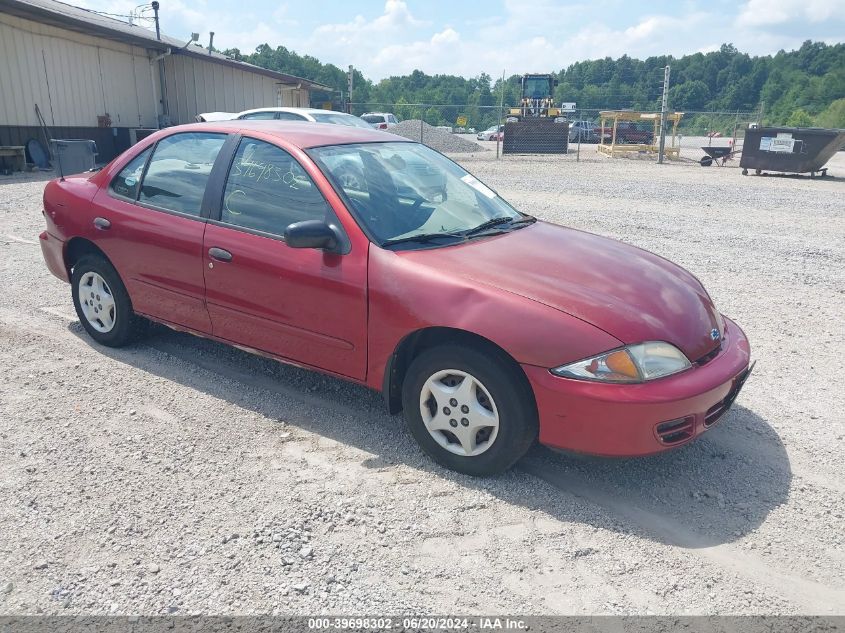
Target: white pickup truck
{"x":587,"y":130}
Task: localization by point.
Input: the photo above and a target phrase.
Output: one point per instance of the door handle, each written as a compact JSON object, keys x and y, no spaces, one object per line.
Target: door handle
{"x":102,"y":223}
{"x":221,"y":255}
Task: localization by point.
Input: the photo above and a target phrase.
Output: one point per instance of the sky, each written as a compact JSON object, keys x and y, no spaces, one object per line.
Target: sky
{"x":394,"y":37}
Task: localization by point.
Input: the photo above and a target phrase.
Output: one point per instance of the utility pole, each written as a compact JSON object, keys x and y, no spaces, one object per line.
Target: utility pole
{"x":349,"y":89}
{"x":155,"y":11}
{"x":501,"y":107}
{"x":161,"y":70}
{"x":663,"y":107}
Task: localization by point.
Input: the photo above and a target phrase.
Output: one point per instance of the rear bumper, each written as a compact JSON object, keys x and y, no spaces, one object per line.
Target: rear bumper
{"x":628,"y":420}
{"x":53,"y":250}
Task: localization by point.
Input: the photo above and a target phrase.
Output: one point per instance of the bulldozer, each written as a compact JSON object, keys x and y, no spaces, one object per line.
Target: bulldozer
{"x":536,"y":126}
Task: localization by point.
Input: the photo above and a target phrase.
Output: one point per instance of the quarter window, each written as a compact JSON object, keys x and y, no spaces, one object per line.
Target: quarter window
{"x":178,"y":171}
{"x":267,"y":189}
{"x":127,"y":182}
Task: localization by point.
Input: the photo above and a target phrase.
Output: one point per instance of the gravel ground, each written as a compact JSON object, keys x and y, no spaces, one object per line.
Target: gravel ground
{"x":441,"y":140}
{"x":183,"y":476}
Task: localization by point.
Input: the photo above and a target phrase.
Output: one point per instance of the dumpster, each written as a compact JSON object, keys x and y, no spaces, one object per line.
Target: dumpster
{"x":73,"y":156}
{"x":793,"y":150}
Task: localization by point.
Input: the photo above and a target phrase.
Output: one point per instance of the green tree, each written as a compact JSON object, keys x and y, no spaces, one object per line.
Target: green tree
{"x":809,"y":79}
{"x":799,"y":118}
{"x":833,"y":116}
{"x":690,"y":95}
{"x":402,"y":110}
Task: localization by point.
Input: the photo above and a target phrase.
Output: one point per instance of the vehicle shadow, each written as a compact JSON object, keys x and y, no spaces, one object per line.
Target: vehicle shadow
{"x":713,"y":491}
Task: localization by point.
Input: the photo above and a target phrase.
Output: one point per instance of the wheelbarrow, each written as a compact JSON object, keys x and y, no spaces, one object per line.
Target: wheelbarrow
{"x":716,"y":154}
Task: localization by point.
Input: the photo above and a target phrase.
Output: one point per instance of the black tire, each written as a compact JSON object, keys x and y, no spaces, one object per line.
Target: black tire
{"x":128,"y":326}
{"x":507,"y":387}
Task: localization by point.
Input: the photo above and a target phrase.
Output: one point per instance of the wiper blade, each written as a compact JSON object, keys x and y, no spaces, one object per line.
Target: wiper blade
{"x":528,"y":219}
{"x":493,"y":222}
{"x":422,"y":238}
{"x":488,"y":224}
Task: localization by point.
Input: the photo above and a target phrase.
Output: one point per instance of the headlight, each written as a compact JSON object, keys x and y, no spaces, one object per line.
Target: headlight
{"x":634,"y":363}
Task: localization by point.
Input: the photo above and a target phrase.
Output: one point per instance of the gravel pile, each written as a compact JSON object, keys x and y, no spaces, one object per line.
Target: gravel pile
{"x":183,"y":476}
{"x":441,"y":140}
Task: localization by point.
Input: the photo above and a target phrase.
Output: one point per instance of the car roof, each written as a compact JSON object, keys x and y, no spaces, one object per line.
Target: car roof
{"x":302,"y":134}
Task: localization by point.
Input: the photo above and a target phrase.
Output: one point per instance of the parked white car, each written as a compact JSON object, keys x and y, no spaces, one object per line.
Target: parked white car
{"x":287,"y":114}
{"x":380,"y":120}
{"x":490,"y":133}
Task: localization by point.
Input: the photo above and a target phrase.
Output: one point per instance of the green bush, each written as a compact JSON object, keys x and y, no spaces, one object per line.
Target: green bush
{"x":833,"y":116}
{"x":799,"y":118}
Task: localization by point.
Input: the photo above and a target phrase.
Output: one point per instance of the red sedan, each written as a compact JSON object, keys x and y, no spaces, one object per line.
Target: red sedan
{"x":328,"y":247}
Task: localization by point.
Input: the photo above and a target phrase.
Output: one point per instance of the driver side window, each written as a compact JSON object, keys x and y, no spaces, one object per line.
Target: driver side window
{"x":267,"y":189}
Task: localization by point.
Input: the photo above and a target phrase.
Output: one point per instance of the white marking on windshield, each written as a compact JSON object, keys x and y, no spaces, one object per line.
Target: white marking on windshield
{"x":479,"y":186}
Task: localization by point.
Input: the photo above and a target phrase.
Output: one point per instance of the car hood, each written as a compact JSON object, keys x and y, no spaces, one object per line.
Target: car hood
{"x":631,"y":294}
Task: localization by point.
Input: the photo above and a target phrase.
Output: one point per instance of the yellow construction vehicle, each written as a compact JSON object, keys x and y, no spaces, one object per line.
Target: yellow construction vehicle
{"x":536,"y":126}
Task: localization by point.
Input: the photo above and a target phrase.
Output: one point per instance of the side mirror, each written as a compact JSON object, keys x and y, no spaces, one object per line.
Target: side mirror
{"x":311,"y":234}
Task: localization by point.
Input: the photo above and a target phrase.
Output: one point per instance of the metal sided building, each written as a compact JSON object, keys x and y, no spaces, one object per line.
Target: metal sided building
{"x":95,"y":77}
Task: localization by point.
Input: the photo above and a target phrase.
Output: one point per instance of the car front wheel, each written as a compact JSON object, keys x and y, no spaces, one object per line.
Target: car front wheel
{"x":469,"y":410}
{"x":102,"y":303}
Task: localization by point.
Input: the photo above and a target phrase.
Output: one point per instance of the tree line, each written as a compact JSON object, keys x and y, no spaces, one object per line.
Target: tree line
{"x":799,"y":88}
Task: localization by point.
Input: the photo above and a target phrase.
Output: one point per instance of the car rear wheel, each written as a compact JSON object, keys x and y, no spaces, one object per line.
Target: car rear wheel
{"x":102,"y":303}
{"x":468,"y":410}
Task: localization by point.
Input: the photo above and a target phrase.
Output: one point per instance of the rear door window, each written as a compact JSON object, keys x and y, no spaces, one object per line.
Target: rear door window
{"x":259,"y":116}
{"x":290,"y":116}
{"x":178,"y":171}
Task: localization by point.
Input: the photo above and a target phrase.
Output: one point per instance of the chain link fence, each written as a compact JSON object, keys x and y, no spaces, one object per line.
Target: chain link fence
{"x":588,"y":129}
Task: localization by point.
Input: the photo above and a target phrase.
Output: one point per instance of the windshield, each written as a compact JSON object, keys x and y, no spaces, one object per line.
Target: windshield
{"x":339,"y":118}
{"x":399,"y":191}
{"x":373,"y":118}
{"x":537,"y":88}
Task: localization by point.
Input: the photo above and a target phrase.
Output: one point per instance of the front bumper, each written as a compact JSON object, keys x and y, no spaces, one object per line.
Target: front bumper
{"x":53,"y":250}
{"x":627,"y":420}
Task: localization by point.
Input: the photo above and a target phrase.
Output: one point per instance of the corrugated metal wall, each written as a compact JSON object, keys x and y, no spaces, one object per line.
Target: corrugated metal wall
{"x":195,"y":85}
{"x":75,"y":77}
{"x":72,"y":77}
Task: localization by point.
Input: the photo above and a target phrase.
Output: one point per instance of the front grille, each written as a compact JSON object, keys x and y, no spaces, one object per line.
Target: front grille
{"x":720,"y":408}
{"x":536,"y":135}
{"x":703,"y":360}
{"x":715,"y":412}
{"x":675,"y":431}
